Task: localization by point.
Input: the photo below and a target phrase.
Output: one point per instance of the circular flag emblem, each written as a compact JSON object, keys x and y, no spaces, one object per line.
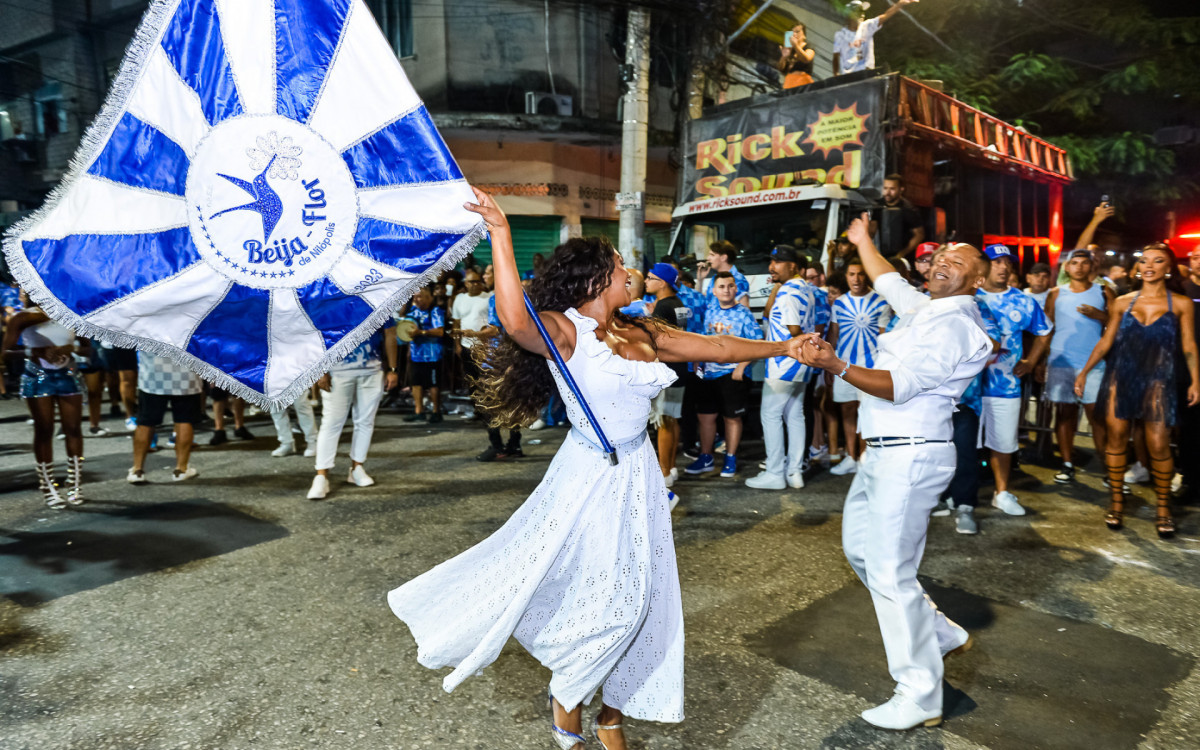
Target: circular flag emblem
{"x":272,"y":205}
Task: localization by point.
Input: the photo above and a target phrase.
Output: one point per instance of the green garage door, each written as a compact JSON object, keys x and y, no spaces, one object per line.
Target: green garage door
{"x":531,"y":234}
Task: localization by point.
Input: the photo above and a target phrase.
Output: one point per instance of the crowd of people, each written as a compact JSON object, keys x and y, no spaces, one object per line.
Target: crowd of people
{"x":1052,"y":365}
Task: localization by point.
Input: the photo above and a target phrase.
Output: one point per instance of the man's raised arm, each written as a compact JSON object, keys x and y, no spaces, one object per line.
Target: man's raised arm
{"x":873,"y":262}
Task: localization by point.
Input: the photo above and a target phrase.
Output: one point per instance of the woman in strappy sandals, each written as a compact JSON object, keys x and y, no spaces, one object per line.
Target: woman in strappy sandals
{"x":50,"y":380}
{"x":1141,"y":380}
{"x":583,"y":574}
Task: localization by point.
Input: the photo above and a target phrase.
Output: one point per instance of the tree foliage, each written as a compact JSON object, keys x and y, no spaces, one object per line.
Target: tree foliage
{"x":1098,"y":78}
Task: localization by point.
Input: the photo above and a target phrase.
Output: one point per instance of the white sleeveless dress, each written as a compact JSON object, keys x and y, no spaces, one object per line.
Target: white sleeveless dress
{"x":583,"y":574}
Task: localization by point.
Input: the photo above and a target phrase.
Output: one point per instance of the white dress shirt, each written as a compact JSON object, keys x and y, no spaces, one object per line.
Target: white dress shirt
{"x":935,"y":351}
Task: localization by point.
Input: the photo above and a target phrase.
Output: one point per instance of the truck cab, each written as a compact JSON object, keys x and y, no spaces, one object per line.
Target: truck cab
{"x":796,"y":166}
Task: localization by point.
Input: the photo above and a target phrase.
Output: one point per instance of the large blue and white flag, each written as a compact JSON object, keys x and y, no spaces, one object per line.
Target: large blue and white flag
{"x":262,"y":189}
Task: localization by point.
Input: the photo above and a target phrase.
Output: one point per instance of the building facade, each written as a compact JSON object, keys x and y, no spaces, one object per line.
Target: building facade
{"x":526,"y":93}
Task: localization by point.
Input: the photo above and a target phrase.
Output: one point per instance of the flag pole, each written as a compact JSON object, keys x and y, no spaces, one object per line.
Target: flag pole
{"x":570,"y":381}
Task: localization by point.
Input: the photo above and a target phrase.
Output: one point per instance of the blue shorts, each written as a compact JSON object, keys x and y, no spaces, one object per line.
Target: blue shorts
{"x":1060,"y":385}
{"x":38,"y":382}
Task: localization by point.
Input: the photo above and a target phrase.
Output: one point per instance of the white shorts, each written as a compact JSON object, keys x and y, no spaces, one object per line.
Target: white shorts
{"x":1000,"y":422}
{"x":668,"y":403}
{"x":844,"y":393}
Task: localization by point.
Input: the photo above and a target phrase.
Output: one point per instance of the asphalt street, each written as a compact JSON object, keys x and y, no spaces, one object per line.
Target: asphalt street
{"x":230,"y":612}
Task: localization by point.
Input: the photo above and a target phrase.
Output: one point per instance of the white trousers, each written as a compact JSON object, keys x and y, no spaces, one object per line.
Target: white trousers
{"x":361,"y":390}
{"x":883,"y":534}
{"x":783,"y":404}
{"x":304,"y":415}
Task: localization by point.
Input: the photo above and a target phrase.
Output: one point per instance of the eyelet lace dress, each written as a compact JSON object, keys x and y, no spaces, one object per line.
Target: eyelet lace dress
{"x":583,"y":574}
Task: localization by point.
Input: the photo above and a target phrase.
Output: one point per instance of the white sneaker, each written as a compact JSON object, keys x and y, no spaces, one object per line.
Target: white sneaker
{"x":846,"y":466}
{"x":669,"y":479}
{"x":767,"y":481}
{"x":1007,"y":502}
{"x":539,"y":424}
{"x":358,"y":476}
{"x":965,"y":643}
{"x":284,"y":449}
{"x":131,"y":424}
{"x":795,"y":480}
{"x":320,"y":487}
{"x":180,"y":476}
{"x":1137,"y":474}
{"x":310,"y":451}
{"x":672,"y":500}
{"x":901,"y":713}
{"x":818,"y":454}
{"x":136,"y":477}
{"x":964,"y":520}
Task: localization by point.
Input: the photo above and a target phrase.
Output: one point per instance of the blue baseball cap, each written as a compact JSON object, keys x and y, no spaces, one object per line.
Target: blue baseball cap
{"x":667,"y":274}
{"x":995,"y":252}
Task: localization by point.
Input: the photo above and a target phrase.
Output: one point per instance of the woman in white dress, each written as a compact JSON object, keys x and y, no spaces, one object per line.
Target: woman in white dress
{"x":583,"y":574}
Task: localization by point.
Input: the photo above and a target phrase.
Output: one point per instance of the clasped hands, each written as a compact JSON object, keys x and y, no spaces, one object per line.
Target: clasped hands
{"x":814,"y":351}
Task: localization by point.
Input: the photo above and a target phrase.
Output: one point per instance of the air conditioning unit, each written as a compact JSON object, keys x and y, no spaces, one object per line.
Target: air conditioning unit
{"x":545,"y":103}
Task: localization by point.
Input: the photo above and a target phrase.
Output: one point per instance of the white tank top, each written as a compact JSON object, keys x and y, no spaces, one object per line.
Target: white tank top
{"x":47,"y":334}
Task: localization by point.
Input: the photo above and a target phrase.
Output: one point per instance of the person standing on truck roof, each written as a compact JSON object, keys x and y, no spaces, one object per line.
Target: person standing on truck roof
{"x":796,"y":59}
{"x":721,"y":257}
{"x":899,"y":228}
{"x":854,"y":43}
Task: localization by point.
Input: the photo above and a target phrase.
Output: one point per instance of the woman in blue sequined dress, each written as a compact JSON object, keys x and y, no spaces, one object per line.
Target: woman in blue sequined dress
{"x":1146,"y":332}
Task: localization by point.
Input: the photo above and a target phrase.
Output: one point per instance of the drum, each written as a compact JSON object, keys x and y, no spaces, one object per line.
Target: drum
{"x":405,"y":329}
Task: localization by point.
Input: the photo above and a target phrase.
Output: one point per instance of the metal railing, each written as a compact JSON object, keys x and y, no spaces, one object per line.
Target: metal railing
{"x":938,"y":115}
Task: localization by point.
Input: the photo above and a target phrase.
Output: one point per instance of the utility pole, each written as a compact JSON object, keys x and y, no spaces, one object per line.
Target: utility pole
{"x":635,"y":113}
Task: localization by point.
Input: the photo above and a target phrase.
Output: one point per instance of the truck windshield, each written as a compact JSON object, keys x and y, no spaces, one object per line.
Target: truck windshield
{"x":756,"y":231}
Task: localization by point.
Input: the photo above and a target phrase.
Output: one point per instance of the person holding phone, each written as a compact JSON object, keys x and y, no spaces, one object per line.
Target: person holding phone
{"x":796,"y":58}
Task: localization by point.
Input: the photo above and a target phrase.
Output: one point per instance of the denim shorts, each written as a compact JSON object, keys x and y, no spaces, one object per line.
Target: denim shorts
{"x":38,"y":382}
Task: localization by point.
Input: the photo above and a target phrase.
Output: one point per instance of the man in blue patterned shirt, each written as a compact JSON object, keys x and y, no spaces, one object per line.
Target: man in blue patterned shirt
{"x":724,"y":388}
{"x":963,"y":492}
{"x":1015,"y":313}
{"x":791,"y":314}
{"x":425,"y":353}
{"x":858,"y":317}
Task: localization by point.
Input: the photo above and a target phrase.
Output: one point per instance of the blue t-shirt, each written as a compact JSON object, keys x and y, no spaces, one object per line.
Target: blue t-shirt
{"x":972,"y":398}
{"x":1015,"y":313}
{"x":794,"y":306}
{"x":427,"y":348}
{"x":743,"y":288}
{"x":697,"y":304}
{"x":859,"y":320}
{"x":365,"y":356}
{"x":10,"y":296}
{"x":728,"y":321}
{"x":493,"y":318}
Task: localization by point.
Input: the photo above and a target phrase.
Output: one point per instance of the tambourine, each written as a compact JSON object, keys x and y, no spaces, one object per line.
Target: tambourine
{"x":406,"y":328}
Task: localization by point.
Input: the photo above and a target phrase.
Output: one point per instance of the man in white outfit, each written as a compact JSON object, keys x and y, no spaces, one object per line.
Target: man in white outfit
{"x":921,"y":370}
{"x":357,"y":382}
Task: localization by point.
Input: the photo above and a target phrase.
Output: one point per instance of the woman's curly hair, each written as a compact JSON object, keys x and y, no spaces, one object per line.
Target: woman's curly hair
{"x":514,"y":384}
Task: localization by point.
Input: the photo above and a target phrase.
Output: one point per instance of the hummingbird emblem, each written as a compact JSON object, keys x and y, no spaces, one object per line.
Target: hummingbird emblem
{"x":266,"y":201}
